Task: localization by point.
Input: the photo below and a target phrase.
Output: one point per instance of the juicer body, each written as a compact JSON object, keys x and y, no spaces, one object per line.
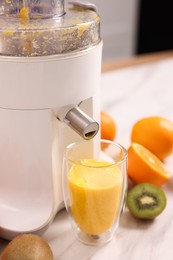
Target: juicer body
{"x":32,"y":138}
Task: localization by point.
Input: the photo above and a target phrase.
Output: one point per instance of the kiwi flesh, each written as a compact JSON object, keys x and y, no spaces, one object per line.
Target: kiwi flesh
{"x":27,"y":247}
{"x":146,"y":201}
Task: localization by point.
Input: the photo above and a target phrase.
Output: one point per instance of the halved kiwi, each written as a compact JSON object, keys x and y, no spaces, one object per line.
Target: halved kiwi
{"x":146,"y":201}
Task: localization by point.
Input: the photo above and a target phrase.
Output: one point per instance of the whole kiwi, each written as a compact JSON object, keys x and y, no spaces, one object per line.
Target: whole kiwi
{"x":27,"y":247}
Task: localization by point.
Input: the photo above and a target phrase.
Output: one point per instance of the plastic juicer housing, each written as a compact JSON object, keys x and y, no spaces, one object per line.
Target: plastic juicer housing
{"x":50,"y":63}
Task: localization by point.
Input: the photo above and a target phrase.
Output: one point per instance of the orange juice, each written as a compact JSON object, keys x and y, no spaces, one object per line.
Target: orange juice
{"x":95,"y":193}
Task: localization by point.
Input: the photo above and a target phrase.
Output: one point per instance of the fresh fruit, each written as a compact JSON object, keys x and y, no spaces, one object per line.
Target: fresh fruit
{"x":27,"y":247}
{"x":144,"y":166}
{"x":108,"y":127}
{"x":156,"y":134}
{"x":146,"y":201}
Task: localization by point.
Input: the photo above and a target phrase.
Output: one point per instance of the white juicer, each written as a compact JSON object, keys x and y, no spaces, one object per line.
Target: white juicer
{"x":50,"y":64}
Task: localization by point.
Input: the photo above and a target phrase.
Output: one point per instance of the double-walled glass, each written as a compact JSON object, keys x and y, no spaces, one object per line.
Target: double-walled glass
{"x":94,"y":188}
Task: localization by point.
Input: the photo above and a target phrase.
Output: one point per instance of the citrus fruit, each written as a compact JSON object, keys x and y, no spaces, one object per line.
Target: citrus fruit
{"x":144,"y":166}
{"x":28,"y":247}
{"x":108,"y":127}
{"x":156,"y":134}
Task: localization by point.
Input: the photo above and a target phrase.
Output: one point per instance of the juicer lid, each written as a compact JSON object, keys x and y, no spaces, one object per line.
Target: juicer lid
{"x":46,"y":27}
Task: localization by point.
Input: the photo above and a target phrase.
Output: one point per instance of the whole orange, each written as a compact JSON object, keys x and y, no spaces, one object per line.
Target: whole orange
{"x":154,"y":133}
{"x":108,"y":127}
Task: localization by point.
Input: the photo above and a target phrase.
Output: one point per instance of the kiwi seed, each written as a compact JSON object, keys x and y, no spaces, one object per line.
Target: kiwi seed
{"x":146,"y":201}
{"x":27,"y":247}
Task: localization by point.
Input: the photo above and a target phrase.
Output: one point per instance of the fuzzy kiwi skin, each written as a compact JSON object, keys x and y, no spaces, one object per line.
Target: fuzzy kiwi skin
{"x":148,"y":190}
{"x":27,"y":247}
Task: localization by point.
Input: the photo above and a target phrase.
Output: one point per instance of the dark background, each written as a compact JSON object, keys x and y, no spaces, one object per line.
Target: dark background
{"x":155,"y":26}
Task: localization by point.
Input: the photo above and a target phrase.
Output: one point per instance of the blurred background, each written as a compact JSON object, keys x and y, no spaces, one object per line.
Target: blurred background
{"x":118,"y":27}
{"x":130,"y":27}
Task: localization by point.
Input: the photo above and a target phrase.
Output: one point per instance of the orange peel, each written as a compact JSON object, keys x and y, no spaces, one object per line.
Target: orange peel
{"x":144,"y":166}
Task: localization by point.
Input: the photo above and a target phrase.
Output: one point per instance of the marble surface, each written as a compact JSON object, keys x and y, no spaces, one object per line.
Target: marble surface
{"x":128,"y":95}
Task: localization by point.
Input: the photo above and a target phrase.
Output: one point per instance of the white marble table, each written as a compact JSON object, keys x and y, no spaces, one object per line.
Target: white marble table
{"x":127,"y":94}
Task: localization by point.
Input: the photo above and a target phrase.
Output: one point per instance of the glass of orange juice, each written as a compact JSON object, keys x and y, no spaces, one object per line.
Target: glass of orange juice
{"x":94,"y":188}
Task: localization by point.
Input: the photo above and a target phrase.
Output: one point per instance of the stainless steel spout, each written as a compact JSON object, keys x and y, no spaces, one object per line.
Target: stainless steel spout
{"x":81,"y":123}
